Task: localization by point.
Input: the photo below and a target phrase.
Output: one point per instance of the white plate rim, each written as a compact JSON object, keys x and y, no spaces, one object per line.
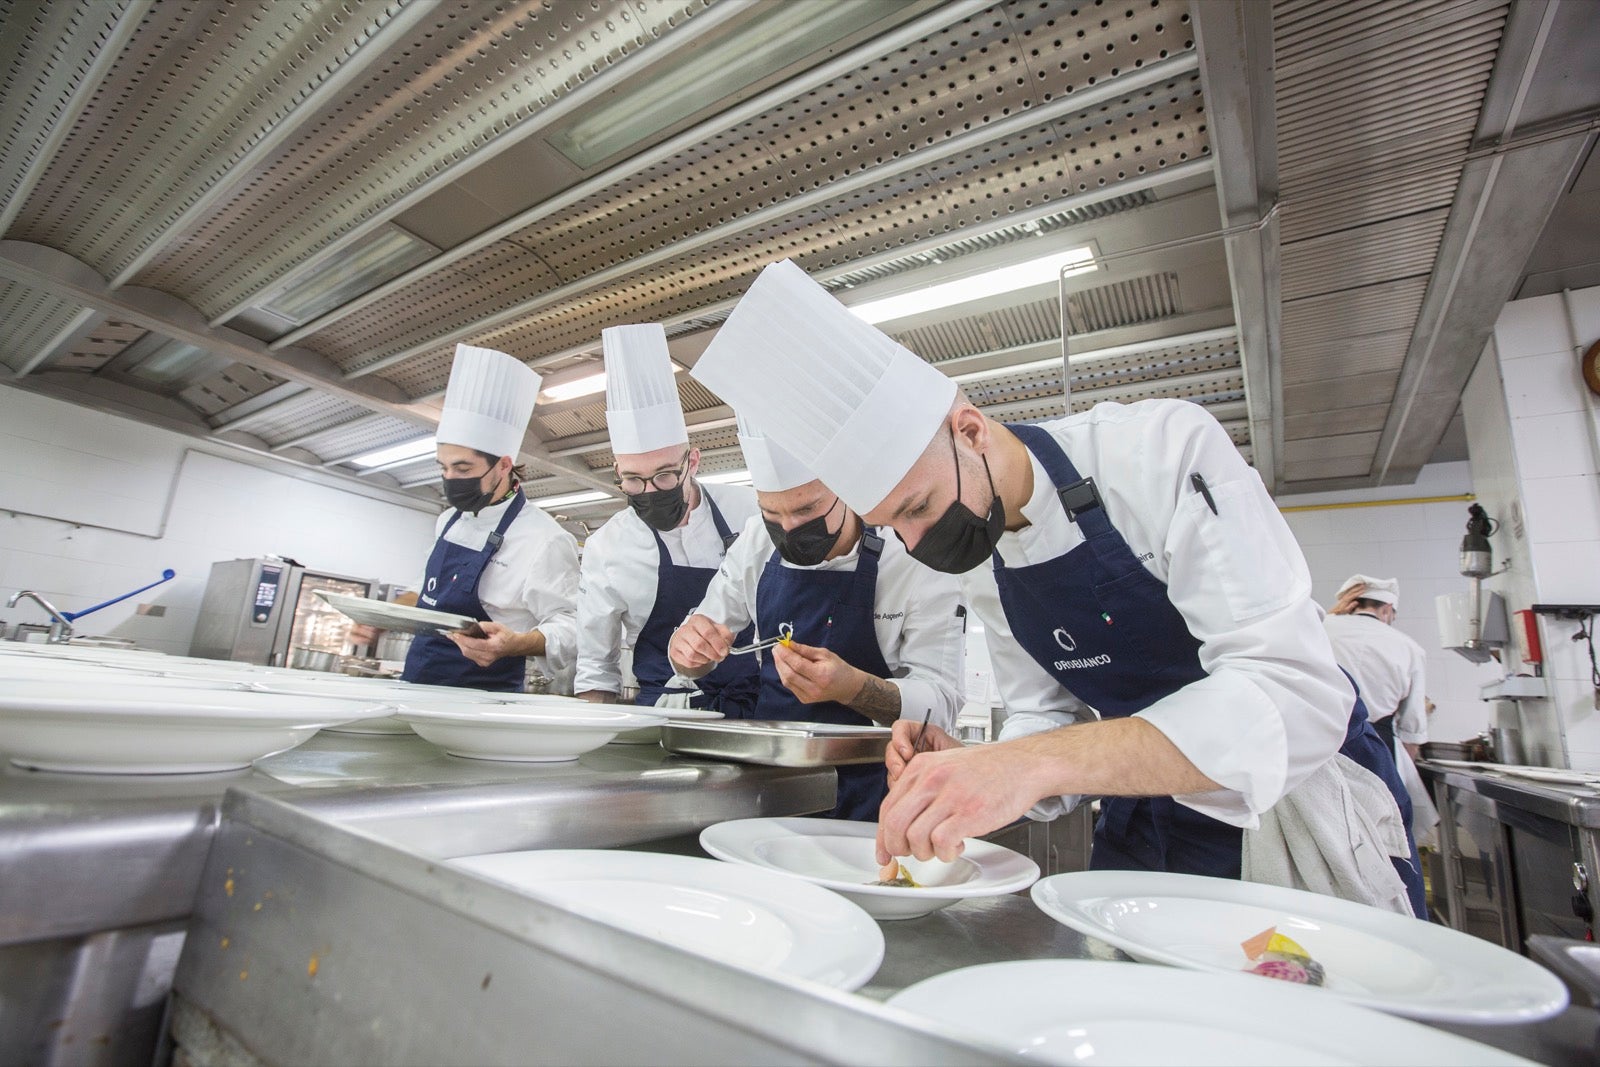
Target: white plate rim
{"x":397,"y":613}
{"x":989,"y":991}
{"x":860,"y":968}
{"x":540,"y":718}
{"x":225,"y":708}
{"x":715,"y":839}
{"x":1068,"y":906}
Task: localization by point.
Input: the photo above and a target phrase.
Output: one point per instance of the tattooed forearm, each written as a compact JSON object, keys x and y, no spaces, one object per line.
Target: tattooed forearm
{"x":878,"y":700}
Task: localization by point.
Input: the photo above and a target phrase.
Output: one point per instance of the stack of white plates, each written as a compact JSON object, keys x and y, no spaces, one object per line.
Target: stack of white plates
{"x":104,"y":726}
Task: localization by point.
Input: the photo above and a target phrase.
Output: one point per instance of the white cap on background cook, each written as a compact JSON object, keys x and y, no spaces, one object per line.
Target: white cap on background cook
{"x":488,"y":402}
{"x":1383,"y":590}
{"x":642,"y":408}
{"x":772,"y":470}
{"x":839,"y":395}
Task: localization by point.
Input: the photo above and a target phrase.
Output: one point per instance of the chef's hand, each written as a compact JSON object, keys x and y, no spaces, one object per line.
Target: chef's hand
{"x":1346,"y":604}
{"x":699,"y":644}
{"x":941,"y":798}
{"x":498,"y":641}
{"x":362,"y":634}
{"x":814,"y":674}
{"x":909,"y":736}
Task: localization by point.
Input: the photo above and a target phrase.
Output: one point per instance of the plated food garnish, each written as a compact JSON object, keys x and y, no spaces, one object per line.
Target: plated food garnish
{"x":1279,"y":956}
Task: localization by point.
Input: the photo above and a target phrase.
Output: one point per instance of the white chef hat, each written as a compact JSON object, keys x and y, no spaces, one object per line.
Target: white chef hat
{"x":1383,"y":590}
{"x":642,"y":409}
{"x":772,"y":470}
{"x":839,"y":395}
{"x":488,"y":402}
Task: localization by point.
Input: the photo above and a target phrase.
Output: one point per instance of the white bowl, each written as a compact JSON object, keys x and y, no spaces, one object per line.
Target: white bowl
{"x":742,"y":916}
{"x":839,"y":854}
{"x":1098,"y":1012}
{"x":116,"y":728}
{"x":521,"y":734}
{"x":1374,"y":958}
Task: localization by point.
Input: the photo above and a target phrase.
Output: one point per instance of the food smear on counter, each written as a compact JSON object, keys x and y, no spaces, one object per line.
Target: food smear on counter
{"x":1275,"y":955}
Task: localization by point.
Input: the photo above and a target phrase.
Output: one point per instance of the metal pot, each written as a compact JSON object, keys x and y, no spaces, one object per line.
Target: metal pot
{"x":313,"y":659}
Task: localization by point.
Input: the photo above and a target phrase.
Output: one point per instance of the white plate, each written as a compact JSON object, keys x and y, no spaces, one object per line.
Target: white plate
{"x":838,"y":854}
{"x":523,"y":734}
{"x":652,"y":735}
{"x":117,"y":728}
{"x":378,"y":698}
{"x":1374,"y":958}
{"x":399,"y":617}
{"x":1095,"y":1012}
{"x":742,"y":916}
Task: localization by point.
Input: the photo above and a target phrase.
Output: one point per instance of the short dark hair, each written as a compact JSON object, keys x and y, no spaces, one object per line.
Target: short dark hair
{"x":1372,"y":605}
{"x":518,"y":471}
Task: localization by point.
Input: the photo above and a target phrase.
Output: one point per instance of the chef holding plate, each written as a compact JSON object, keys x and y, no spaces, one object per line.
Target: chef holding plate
{"x":495,"y":559}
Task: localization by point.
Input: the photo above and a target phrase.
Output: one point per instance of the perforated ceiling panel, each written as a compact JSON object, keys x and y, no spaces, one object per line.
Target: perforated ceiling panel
{"x":46,"y":52}
{"x":204,"y":80}
{"x":1005,"y":177}
{"x":233,"y":385}
{"x":105,"y":341}
{"x":1017,"y":57}
{"x":32,"y":318}
{"x":969,"y":335}
{"x":1376,"y":105}
{"x":316,"y":414}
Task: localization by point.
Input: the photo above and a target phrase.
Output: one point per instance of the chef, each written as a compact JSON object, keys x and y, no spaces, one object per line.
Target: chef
{"x":1126,"y":558}
{"x":877,"y":637}
{"x":649,"y":565}
{"x":507,"y":565}
{"x":1390,"y":669}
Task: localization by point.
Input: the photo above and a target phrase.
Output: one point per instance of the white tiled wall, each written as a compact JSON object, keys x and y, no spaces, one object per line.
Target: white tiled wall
{"x":213,"y":508}
{"x":1417,"y":544}
{"x":1555,"y":433}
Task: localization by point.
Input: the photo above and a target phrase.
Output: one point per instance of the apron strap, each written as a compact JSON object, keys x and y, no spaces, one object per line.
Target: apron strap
{"x":728,"y":537}
{"x":1079,"y":496}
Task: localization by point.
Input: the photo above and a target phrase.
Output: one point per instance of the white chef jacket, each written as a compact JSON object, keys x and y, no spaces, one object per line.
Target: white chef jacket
{"x":1388,"y":666}
{"x":1274,"y":706}
{"x":531,"y":581}
{"x":917,"y":615}
{"x":617,"y":590}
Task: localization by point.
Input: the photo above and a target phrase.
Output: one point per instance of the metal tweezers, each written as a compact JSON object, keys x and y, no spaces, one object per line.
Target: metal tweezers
{"x":785,"y":633}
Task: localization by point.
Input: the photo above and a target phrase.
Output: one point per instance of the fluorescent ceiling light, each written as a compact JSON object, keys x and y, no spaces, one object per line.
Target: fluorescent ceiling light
{"x":384,"y":255}
{"x":988,"y":283}
{"x":726,"y":478}
{"x":590,"y":497}
{"x":592,"y":383}
{"x":584,"y":386}
{"x":175,"y":360}
{"x":711,"y":76}
{"x":422,"y":446}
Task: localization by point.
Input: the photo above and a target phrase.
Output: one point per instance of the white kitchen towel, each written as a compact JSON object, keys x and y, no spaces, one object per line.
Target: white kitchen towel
{"x":680,"y":692}
{"x":1333,"y":834}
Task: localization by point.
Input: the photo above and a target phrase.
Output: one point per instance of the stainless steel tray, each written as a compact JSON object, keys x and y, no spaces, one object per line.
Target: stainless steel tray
{"x":777,"y":744}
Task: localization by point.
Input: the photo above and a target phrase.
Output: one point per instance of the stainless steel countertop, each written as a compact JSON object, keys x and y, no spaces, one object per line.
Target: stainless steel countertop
{"x":82,"y":853}
{"x":1573,"y":805}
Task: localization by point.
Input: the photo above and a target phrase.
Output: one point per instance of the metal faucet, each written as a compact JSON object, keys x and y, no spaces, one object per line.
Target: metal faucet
{"x":60,"y":625}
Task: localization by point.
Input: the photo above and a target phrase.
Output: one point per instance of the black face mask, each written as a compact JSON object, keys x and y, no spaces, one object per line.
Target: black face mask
{"x":960,"y":539}
{"x":661,"y":509}
{"x":467,"y":494}
{"x":809,"y":543}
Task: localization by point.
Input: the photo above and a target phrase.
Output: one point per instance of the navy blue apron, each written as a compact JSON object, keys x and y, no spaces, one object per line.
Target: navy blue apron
{"x":451,"y":584}
{"x":731,"y":687}
{"x":1102,"y":625}
{"x":832,"y":610}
